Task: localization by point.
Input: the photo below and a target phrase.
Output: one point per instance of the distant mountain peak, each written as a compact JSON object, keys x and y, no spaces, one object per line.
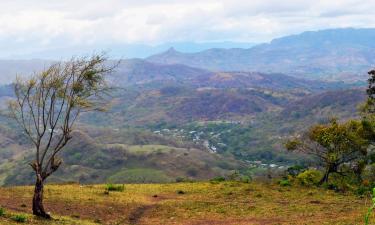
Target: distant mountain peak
{"x":171,"y":50}
{"x":332,"y":54}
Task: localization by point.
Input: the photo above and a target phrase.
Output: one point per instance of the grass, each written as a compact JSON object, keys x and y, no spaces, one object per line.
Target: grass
{"x":145,"y":149}
{"x":140,"y":175}
{"x":20,"y":218}
{"x":200,"y":203}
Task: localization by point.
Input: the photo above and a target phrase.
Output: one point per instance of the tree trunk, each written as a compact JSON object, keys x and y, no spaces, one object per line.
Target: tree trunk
{"x":325,"y":177}
{"x":38,"y":208}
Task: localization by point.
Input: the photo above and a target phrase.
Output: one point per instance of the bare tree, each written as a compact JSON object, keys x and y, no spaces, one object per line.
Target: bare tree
{"x":47,"y":106}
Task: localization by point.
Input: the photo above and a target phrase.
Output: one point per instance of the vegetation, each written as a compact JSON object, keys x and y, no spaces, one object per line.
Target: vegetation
{"x":333,"y":145}
{"x":19,"y":218}
{"x":226,"y":202}
{"x":114,"y":187}
{"x":47,"y":106}
{"x":369,"y":212}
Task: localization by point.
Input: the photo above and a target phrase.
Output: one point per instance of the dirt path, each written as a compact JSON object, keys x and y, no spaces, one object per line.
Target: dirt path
{"x":136,"y":215}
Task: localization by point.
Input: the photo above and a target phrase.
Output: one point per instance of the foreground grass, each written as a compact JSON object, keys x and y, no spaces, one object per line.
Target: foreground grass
{"x":189,"y":203}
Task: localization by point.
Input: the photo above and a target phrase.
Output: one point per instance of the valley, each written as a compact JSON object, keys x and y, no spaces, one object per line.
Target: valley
{"x":188,"y":122}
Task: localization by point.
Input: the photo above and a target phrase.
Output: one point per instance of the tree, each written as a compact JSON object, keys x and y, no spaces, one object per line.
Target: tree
{"x":47,"y":106}
{"x":333,"y":144}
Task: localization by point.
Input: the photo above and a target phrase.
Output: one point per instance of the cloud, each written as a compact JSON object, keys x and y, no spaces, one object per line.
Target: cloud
{"x":32,"y":25}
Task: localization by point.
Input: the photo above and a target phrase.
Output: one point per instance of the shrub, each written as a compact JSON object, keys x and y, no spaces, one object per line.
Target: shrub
{"x":217,"y":179}
{"x":114,"y":187}
{"x":180,"y":179}
{"x":362,"y":190}
{"x":284,"y":183}
{"x":19,"y":218}
{"x":295,"y":170}
{"x":246,"y":179}
{"x":235,"y":176}
{"x":309,"y":177}
{"x":2,"y":212}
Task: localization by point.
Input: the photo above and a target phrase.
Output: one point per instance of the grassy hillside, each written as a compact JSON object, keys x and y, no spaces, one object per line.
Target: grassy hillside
{"x":113,"y":156}
{"x":229,"y":203}
{"x":158,"y":135}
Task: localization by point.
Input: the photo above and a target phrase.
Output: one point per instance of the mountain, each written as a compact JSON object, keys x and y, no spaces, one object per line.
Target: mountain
{"x":336,"y":54}
{"x":139,"y":72}
{"x":143,"y":73}
{"x":9,"y":69}
{"x":116,"y":50}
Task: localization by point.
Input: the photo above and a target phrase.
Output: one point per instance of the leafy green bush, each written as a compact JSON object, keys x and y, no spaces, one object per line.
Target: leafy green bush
{"x":246,"y":179}
{"x":19,"y":218}
{"x":114,"y":187}
{"x":2,"y":212}
{"x":284,"y":183}
{"x":309,"y":177}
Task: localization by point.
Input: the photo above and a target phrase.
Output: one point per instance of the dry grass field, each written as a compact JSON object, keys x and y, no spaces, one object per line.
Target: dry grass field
{"x":224,"y":203}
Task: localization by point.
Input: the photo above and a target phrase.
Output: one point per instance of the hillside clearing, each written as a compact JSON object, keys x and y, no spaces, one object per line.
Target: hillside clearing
{"x":189,"y":203}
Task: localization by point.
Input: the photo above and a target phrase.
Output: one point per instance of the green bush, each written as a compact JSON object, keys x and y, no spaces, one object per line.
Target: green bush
{"x":309,"y":177}
{"x":284,"y":183}
{"x":19,"y":218}
{"x":295,"y":170}
{"x":217,"y":179}
{"x":235,"y":176}
{"x":114,"y":187}
{"x":246,"y":179}
{"x":363,"y":190}
{"x":2,"y":212}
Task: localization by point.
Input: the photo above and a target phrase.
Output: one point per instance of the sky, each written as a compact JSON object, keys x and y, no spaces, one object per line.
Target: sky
{"x":45,"y":28}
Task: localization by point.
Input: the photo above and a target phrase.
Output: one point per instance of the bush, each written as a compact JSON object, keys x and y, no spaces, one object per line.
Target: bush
{"x":246,"y":179}
{"x":284,"y":183}
{"x":217,"y":179}
{"x":19,"y":218}
{"x":2,"y":212}
{"x":309,"y":177}
{"x":180,"y":179}
{"x":295,"y":170}
{"x":114,"y":187}
{"x":363,"y":190}
{"x":235,"y":176}
{"x":340,"y":183}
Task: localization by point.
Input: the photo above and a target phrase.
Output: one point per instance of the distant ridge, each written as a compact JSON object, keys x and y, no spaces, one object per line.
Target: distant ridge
{"x":344,"y":54}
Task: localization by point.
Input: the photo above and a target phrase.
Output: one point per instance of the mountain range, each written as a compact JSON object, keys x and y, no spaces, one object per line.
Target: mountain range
{"x":337,"y":54}
{"x":204,"y":114}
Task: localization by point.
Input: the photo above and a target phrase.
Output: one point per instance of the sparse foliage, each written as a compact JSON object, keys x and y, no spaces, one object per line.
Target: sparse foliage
{"x":47,"y":106}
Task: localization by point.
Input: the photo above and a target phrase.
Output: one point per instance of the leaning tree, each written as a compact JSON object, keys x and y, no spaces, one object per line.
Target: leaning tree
{"x":334,"y":144}
{"x":47,"y":106}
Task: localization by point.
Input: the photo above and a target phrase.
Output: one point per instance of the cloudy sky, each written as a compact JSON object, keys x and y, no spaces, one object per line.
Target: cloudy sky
{"x":29,"y":27}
